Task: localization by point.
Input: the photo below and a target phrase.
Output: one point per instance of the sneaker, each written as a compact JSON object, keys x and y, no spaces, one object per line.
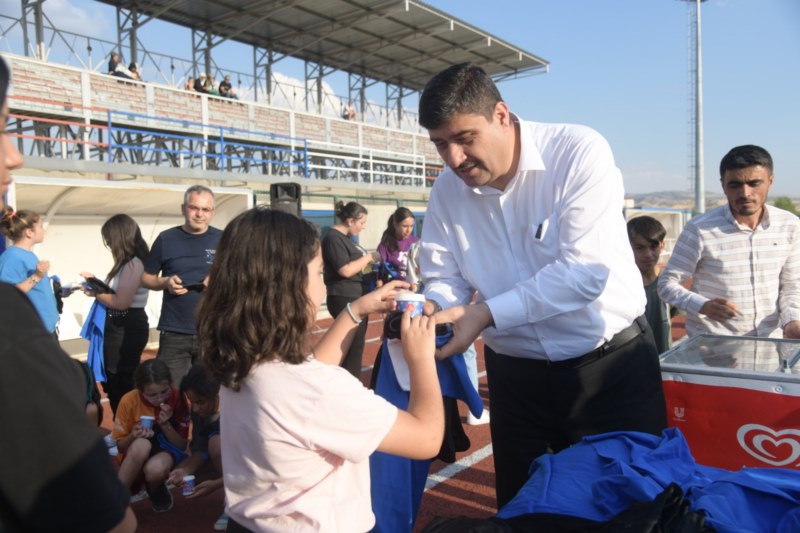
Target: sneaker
{"x":484,"y":419}
{"x":139,"y":496}
{"x":161,"y":498}
{"x":222,"y":523}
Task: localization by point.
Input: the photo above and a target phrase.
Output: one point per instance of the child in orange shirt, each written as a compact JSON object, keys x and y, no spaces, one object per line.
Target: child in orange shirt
{"x":152,"y":452}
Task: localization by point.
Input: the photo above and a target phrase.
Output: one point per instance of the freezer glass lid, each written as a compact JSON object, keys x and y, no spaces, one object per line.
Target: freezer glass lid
{"x":736,"y":353}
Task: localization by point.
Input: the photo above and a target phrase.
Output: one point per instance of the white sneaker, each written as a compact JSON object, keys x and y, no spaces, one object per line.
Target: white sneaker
{"x":222,"y":523}
{"x":111,"y":445}
{"x":484,"y":419}
{"x":142,"y":495}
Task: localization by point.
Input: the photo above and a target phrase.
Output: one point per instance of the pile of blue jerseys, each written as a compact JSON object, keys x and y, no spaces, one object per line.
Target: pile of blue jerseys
{"x":603,"y":475}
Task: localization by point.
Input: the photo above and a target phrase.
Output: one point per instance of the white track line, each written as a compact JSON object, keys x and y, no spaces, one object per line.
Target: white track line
{"x":450,"y":471}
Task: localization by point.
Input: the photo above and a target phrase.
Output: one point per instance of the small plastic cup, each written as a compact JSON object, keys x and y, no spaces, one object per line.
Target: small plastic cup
{"x":414,"y":301}
{"x":146,"y":421}
{"x":187,"y":485}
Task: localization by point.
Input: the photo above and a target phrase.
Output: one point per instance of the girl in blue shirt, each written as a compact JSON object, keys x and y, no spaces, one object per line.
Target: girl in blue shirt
{"x":19,"y":265}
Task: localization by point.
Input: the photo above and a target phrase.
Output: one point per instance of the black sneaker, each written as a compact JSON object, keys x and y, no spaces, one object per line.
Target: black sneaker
{"x":161,"y":498}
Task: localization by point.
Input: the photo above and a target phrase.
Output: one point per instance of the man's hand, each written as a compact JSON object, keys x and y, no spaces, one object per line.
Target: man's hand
{"x":468,"y":323}
{"x":175,"y":285}
{"x":792,"y":330}
{"x":719,"y":309}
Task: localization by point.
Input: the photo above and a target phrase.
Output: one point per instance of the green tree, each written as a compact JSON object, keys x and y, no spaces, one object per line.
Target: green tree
{"x":784,"y":202}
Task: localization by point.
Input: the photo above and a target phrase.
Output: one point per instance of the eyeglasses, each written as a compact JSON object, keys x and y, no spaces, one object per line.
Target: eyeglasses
{"x":195,"y":208}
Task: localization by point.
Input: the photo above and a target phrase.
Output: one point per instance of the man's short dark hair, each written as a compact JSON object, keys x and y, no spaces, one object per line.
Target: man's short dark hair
{"x":748,"y":155}
{"x":647,"y":228}
{"x":463,"y":88}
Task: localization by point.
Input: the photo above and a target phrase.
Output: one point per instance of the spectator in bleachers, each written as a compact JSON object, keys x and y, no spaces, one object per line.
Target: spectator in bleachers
{"x":116,"y":68}
{"x":200,"y":83}
{"x":349,"y":112}
{"x":226,"y":89}
{"x":210,"y":85}
{"x":134,"y":70}
{"x":189,"y":85}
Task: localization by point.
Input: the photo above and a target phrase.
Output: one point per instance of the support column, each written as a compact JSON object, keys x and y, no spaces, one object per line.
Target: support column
{"x":32,"y":10}
{"x":314,"y":75}
{"x":127,"y":27}
{"x":263,"y":59}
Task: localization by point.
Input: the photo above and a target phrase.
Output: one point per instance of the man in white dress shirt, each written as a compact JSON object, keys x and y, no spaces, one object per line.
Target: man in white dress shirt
{"x":528,"y":216}
{"x":743,"y":258}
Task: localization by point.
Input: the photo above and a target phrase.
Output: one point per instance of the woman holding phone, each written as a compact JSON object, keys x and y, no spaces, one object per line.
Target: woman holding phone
{"x":126,"y":330}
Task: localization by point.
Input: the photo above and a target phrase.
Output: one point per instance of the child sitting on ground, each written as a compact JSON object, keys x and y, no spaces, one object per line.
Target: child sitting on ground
{"x":204,"y":460}
{"x":149,"y":453}
{"x":646,"y":235}
{"x":297,"y":430}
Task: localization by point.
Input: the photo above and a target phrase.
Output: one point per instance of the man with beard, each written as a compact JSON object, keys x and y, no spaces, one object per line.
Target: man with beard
{"x":743,"y":258}
{"x":529,"y":217}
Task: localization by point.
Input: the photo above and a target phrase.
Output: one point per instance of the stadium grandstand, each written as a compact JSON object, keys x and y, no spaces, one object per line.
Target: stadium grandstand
{"x":97,"y":145}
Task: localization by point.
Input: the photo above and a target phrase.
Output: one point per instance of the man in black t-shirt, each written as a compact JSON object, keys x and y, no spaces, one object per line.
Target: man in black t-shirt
{"x":178,"y":264}
{"x":226,"y":89}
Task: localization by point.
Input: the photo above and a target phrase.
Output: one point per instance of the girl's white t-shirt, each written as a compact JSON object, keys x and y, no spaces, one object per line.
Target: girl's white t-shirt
{"x":296,"y":440}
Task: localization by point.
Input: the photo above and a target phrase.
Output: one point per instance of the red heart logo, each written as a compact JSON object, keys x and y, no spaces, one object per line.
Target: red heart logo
{"x":776,"y":448}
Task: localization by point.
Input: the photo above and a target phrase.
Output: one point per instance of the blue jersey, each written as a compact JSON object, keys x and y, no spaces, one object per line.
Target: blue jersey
{"x":18,"y":264}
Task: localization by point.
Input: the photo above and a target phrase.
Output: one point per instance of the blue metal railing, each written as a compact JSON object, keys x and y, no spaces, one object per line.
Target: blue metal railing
{"x":215,"y":146}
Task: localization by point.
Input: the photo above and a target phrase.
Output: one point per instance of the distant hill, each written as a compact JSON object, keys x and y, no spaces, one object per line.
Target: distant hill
{"x":673,"y":199}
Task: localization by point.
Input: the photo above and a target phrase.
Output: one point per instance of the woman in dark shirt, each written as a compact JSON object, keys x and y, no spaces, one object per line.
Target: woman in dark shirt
{"x":344,"y":263}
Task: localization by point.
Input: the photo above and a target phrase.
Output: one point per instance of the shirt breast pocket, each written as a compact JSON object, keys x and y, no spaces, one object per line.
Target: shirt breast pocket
{"x":541,"y":242}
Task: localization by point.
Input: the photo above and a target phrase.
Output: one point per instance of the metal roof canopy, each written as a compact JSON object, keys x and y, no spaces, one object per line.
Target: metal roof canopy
{"x":397,"y":42}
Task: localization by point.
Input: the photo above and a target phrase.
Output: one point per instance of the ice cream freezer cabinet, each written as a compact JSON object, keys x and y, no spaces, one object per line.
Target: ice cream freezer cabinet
{"x":736,"y":400}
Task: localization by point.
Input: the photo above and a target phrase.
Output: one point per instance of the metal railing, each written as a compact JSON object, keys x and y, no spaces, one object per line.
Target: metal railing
{"x":155,"y":141}
{"x":84,"y":52}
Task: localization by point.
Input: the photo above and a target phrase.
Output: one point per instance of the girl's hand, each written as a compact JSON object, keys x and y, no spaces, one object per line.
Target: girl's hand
{"x":141,"y":433}
{"x":41,"y":268}
{"x":87,"y":291}
{"x":206,"y":487}
{"x":418,"y":336}
{"x":381,"y":300}
{"x":165,"y":414}
{"x":176,"y":476}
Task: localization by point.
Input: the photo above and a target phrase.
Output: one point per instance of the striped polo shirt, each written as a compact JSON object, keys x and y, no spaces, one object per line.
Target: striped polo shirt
{"x":758,"y":270}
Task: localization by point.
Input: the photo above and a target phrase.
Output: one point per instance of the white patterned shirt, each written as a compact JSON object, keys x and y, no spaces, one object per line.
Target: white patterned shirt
{"x":756,"y":269}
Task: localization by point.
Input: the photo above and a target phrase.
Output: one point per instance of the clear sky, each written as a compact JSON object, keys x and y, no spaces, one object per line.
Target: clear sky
{"x":619,"y":66}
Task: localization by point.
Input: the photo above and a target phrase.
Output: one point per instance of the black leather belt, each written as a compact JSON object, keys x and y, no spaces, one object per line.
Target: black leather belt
{"x":636,"y":328}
